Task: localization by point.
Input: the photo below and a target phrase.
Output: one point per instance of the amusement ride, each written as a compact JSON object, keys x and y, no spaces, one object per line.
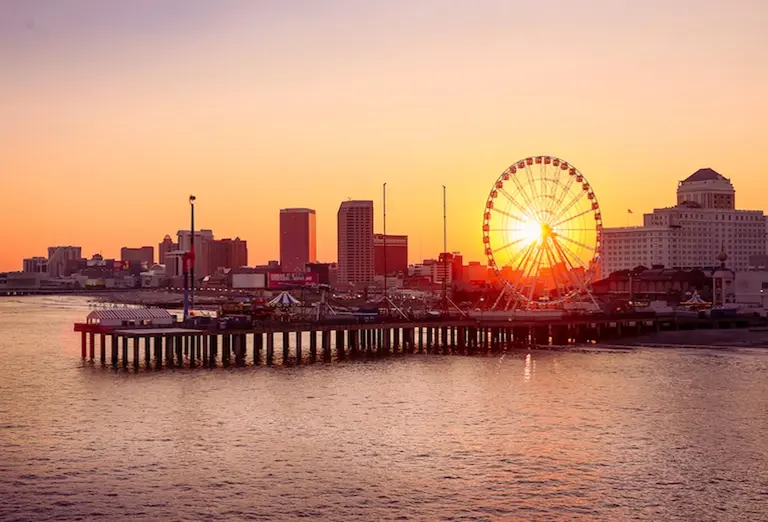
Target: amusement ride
{"x":542,"y":232}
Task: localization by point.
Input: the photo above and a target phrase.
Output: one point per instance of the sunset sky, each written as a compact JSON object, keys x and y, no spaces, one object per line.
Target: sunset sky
{"x":112,"y":113}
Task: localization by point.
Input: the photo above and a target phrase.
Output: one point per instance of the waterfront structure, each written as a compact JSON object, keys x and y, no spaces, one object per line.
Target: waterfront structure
{"x":355,"y":243}
{"x":35,"y":265}
{"x":166,"y":246}
{"x":656,"y":283}
{"x":690,"y":234}
{"x":298,"y":242}
{"x":391,"y":253}
{"x":60,"y":257}
{"x":130,"y":317}
{"x":485,"y":332}
{"x":143,"y":255}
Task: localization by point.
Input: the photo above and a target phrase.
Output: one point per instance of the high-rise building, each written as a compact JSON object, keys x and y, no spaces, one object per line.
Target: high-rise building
{"x":59,"y":258}
{"x":35,"y":265}
{"x":202,"y":238}
{"x":396,"y":260}
{"x":355,"y":243}
{"x":227,"y":253}
{"x":239,"y":252}
{"x":691,"y":234}
{"x":142,"y":255}
{"x":298,"y":245}
{"x":174,"y":264}
{"x":166,"y":246}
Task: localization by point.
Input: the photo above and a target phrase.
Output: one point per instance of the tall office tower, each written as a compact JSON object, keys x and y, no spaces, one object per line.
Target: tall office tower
{"x":145,"y":255}
{"x":355,"y":243}
{"x":59,"y":257}
{"x":202,"y":238}
{"x":166,"y":246}
{"x":394,"y":256}
{"x":227,"y":253}
{"x":298,"y":245}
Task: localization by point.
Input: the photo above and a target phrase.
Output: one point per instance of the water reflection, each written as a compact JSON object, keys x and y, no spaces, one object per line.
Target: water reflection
{"x":528,"y":368}
{"x":653,"y":434}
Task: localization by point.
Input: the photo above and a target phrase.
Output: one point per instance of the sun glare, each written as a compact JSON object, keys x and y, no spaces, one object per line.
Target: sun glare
{"x":530,"y":231}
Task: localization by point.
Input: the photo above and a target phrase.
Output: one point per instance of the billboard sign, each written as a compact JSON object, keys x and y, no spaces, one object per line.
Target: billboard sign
{"x":292,"y":279}
{"x":248,"y":281}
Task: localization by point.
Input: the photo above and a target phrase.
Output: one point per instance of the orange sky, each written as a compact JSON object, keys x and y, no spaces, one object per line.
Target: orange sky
{"x":111,"y":113}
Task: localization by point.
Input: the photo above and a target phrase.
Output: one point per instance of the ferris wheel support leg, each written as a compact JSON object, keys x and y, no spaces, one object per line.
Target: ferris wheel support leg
{"x":501,"y":294}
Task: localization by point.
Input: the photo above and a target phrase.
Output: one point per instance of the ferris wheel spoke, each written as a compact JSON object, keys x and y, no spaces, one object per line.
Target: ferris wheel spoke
{"x":517,"y":205}
{"x":522,"y":263}
{"x":573,"y":241}
{"x":516,"y":257}
{"x":511,"y":243}
{"x":557,"y":225}
{"x":524,"y":275}
{"x":555,"y":182}
{"x":566,"y":190}
{"x":522,"y":193}
{"x":552,"y":265}
{"x":583,"y":283}
{"x":567,"y":250}
{"x":570,"y":205}
{"x":544,"y":189}
{"x":567,"y":277}
{"x":539,"y":200}
{"x":507,"y":214}
{"x":531,"y":181}
{"x":570,"y":273}
{"x":536,"y":274}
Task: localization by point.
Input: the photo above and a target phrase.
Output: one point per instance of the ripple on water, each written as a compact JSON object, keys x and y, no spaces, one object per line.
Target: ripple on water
{"x":565,"y":435}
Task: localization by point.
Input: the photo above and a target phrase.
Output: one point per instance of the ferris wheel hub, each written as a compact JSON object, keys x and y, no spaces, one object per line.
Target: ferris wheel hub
{"x":546,"y":230}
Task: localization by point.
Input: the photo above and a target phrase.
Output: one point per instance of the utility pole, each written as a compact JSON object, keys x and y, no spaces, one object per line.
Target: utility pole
{"x":445,"y":253}
{"x":192,"y":253}
{"x":384,"y":206}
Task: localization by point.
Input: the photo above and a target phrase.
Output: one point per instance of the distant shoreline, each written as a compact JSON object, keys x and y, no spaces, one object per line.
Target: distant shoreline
{"x":755,"y":337}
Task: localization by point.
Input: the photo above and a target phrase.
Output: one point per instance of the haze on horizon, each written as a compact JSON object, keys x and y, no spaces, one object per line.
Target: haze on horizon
{"x":114,"y":112}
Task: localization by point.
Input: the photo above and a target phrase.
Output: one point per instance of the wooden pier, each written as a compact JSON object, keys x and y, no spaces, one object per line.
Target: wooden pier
{"x":297,"y":343}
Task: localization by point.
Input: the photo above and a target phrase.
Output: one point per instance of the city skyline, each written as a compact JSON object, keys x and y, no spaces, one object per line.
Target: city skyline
{"x":641,"y":97}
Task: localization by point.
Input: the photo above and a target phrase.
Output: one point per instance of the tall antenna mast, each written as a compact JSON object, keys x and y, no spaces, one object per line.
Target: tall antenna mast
{"x":445,"y":252}
{"x":384,"y":205}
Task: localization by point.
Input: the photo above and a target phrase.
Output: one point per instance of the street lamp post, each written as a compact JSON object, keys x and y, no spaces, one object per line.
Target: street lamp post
{"x":192,"y":252}
{"x":384,"y":206}
{"x":445,"y":254}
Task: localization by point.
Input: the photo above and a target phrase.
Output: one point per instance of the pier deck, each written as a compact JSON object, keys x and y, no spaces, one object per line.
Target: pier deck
{"x":177,"y":346}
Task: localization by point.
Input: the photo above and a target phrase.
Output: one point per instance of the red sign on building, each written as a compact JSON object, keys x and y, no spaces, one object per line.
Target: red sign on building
{"x":292,"y":279}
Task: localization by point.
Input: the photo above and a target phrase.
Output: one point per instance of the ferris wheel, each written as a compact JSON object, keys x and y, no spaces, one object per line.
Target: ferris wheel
{"x":542,"y":232}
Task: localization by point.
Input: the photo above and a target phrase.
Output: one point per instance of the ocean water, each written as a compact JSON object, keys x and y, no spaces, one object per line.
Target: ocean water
{"x":584,"y":434}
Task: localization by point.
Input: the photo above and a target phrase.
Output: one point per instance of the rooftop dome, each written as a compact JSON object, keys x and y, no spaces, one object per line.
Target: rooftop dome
{"x":705,"y":175}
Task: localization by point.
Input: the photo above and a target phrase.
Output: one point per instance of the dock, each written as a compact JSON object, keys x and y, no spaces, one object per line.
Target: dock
{"x":175,"y":346}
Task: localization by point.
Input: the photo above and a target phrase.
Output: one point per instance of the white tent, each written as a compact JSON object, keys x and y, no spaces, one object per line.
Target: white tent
{"x":130,"y":317}
{"x":695,"y":299}
{"x":284,"y":300}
